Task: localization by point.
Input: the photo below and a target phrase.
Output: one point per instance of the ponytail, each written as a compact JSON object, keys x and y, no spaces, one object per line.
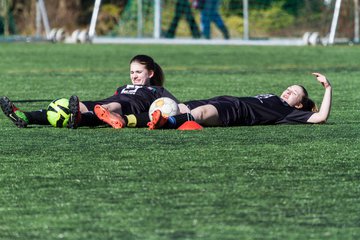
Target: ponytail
{"x":307,"y":103}
{"x":158,"y":78}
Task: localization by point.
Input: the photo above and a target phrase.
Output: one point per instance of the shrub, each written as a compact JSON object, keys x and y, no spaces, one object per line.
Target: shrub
{"x":268,"y":21}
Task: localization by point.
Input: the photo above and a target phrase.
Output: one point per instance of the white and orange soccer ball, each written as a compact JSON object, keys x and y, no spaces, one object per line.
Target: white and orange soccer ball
{"x":167,"y":106}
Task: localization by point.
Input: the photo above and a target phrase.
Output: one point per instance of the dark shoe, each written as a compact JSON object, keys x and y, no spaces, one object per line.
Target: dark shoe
{"x":75,"y":114}
{"x":13,"y":113}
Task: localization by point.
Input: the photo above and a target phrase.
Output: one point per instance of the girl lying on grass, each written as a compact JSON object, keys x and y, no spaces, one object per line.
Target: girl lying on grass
{"x":147,"y":80}
{"x":293,"y":106}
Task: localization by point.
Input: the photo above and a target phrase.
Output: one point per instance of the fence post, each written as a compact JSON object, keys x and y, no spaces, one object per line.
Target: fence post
{"x":5,"y":13}
{"x":157,"y":19}
{"x":246,"y":19}
{"x":356,"y":21}
{"x":94,"y":16}
{"x":334,"y":22}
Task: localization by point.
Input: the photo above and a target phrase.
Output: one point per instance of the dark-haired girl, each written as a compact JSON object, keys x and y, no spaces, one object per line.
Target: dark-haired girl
{"x":147,"y":80}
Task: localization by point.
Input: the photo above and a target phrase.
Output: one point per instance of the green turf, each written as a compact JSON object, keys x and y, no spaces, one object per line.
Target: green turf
{"x":262,"y":182}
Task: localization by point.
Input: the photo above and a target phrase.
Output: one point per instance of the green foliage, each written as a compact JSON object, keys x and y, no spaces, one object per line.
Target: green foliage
{"x":7,"y":26}
{"x":271,"y":19}
{"x":277,"y":17}
{"x":128,"y":22}
{"x":263,"y":182}
{"x":293,"y":7}
{"x":108,"y":18}
{"x":236,"y":25}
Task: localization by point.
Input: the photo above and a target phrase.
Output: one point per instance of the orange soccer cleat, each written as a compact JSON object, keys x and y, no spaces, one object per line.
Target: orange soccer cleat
{"x":158,"y":120}
{"x":113,"y":119}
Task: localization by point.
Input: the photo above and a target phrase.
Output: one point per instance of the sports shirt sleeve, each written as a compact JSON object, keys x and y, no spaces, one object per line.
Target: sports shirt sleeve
{"x":296,"y":117}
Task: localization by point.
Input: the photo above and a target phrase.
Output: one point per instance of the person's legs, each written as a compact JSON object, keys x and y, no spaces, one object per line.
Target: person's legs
{"x":114,"y":107}
{"x":205,"y":21}
{"x":191,"y":20}
{"x":81,"y":115}
{"x":213,"y":9}
{"x":138,"y":120}
{"x":13,"y":113}
{"x":174,"y":23}
{"x":114,"y":119}
{"x":183,"y":108}
{"x":83,"y":108}
{"x":158,"y":121}
{"x":37,"y":117}
{"x":20,"y":118}
{"x":216,"y":18}
{"x":206,"y":115}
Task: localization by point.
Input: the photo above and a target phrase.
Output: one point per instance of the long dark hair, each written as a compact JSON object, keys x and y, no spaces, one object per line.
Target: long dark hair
{"x":158,"y":78}
{"x":307,"y":103}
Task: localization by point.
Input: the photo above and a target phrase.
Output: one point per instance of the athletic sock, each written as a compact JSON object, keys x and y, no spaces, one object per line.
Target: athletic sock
{"x":89,"y":119}
{"x":176,"y":121}
{"x":139,"y":120}
{"x":37,"y":117}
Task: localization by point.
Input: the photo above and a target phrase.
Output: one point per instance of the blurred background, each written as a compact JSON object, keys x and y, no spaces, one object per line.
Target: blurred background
{"x":136,"y":18}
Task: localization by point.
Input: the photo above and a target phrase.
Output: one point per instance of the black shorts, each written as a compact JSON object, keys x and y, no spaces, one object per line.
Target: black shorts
{"x":228,"y":107}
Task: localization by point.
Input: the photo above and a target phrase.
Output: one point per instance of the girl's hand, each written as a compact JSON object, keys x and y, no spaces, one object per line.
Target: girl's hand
{"x":322,"y":79}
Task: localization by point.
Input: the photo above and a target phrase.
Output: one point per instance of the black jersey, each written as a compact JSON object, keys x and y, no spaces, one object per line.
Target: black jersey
{"x":258,"y":110}
{"x":133,"y":98}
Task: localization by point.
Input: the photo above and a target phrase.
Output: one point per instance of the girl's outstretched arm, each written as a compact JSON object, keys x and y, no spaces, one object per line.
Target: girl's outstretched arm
{"x":324,"y":112}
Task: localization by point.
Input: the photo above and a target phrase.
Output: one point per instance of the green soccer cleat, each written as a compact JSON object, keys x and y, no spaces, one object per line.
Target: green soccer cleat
{"x":13,"y":113}
{"x":75,"y":114}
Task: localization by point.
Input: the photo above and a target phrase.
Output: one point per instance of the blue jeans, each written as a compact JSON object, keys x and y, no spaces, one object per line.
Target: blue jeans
{"x":210,"y":13}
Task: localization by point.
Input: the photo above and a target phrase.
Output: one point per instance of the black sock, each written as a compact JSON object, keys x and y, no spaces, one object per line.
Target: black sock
{"x":176,"y":121}
{"x":37,"y":117}
{"x":89,"y":119}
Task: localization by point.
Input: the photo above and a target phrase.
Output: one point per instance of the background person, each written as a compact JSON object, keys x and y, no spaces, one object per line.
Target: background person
{"x":183,"y":7}
{"x":210,"y":13}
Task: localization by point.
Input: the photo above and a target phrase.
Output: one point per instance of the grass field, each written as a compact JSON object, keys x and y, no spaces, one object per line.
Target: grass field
{"x":262,"y":182}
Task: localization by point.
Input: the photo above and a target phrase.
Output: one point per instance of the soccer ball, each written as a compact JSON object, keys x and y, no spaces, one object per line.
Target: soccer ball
{"x":167,"y":106}
{"x":58,"y":112}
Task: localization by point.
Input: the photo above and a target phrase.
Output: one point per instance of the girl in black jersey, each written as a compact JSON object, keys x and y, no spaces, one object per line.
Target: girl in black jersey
{"x":147,"y":80}
{"x":147,"y":85}
{"x":293,"y":106}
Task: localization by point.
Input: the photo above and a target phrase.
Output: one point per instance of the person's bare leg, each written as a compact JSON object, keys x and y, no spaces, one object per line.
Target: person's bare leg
{"x":113,"y":107}
{"x":83,"y":108}
{"x":206,"y":115}
{"x":183,"y":108}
